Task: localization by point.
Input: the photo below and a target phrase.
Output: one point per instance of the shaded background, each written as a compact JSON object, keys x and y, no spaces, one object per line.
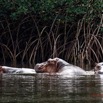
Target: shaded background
{"x":33,"y":31}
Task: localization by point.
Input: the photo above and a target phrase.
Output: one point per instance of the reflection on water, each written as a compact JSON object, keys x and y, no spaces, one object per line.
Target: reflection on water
{"x":45,"y":88}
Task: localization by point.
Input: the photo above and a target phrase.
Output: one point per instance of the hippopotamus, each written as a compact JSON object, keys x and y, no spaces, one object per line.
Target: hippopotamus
{"x":98,"y":69}
{"x":13,"y":70}
{"x":60,"y":66}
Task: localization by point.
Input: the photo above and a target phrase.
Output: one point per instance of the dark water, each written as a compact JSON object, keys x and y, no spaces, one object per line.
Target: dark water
{"x":45,"y":88}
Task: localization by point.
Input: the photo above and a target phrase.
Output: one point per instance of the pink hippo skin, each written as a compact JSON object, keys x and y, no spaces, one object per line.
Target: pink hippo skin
{"x":57,"y":65}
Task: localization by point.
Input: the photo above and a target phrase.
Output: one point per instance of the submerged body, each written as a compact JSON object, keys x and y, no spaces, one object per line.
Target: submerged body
{"x":57,"y":65}
{"x":6,"y":69}
{"x":66,"y":68}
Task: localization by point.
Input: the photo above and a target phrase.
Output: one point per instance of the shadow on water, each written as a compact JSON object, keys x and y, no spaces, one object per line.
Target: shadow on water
{"x":45,"y":88}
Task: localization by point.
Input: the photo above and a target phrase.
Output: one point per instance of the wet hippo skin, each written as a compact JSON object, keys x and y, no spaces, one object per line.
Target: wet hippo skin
{"x":57,"y":65}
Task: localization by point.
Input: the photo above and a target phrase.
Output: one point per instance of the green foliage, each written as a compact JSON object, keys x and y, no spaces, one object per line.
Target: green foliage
{"x":48,"y":9}
{"x":32,"y":29}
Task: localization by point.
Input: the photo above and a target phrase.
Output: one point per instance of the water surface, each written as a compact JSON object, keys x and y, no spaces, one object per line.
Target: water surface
{"x":50,"y":88}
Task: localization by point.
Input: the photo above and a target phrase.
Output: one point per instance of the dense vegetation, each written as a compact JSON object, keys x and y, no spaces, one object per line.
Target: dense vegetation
{"x":35,"y":30}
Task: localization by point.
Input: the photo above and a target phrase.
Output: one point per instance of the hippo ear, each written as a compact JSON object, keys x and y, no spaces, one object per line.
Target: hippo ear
{"x":55,"y":62}
{"x":49,"y":59}
{"x":56,"y":59}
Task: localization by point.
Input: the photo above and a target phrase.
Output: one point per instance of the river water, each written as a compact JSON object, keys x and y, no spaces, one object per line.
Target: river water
{"x":50,"y":88}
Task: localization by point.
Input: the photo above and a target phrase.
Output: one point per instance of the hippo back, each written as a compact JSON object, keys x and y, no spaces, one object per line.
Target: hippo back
{"x":66,"y":68}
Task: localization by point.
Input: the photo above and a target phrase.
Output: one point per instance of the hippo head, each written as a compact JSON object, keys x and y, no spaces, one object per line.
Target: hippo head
{"x":2,"y":70}
{"x":98,"y":68}
{"x":38,"y":67}
{"x":49,"y":66}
